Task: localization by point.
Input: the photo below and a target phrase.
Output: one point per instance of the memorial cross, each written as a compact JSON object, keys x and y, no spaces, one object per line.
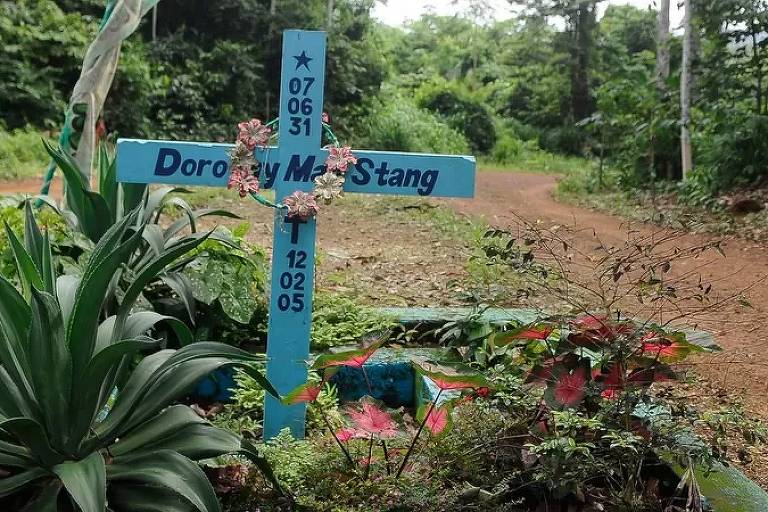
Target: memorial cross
{"x":291,"y":166}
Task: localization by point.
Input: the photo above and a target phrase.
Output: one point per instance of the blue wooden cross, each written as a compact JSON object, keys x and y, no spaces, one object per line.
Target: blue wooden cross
{"x":293,"y":166}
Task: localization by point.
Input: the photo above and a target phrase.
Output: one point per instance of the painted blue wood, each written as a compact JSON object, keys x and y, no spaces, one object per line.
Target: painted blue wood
{"x":377,"y":172}
{"x":293,"y":166}
{"x":293,"y":252}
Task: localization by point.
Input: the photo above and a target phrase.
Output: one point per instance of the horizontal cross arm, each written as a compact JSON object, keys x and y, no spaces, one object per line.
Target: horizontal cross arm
{"x":376,"y":172}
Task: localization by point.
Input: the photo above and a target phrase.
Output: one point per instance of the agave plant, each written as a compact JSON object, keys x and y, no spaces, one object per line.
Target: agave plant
{"x":93,"y":213}
{"x":61,"y":447}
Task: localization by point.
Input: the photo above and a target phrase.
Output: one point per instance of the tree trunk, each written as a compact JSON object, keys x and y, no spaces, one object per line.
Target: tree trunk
{"x":686,"y":76}
{"x":662,"y":47}
{"x":583,"y":25}
{"x":329,"y":18}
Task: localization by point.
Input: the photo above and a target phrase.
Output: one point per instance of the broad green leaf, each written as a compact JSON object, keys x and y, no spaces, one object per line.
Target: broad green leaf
{"x":184,"y":221}
{"x":92,"y":212}
{"x":130,"y":394}
{"x":108,"y":187}
{"x":29,"y":433}
{"x":149,"y":271}
{"x":15,"y":320}
{"x":86,"y":482}
{"x":130,"y":497}
{"x":133,"y":193}
{"x":88,"y":390}
{"x":178,"y":428}
{"x":89,"y":297}
{"x":139,"y":323}
{"x":170,"y":470}
{"x":47,"y":499}
{"x":180,"y":284}
{"x":28,"y":273}
{"x":66,"y":289}
{"x":51,"y":371}
{"x":15,"y":483}
{"x":48,"y":268}
{"x":33,"y":238}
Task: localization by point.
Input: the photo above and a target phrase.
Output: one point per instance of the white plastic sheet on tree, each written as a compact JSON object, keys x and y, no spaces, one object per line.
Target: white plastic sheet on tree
{"x":78,"y":135}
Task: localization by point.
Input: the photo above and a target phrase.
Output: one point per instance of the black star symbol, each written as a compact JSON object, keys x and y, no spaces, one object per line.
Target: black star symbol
{"x":302,"y":60}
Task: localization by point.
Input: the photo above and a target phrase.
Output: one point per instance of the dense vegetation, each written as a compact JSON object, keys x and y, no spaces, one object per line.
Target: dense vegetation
{"x":554,"y":78}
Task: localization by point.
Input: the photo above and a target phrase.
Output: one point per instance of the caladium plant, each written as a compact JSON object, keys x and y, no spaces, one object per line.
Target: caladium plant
{"x":369,"y":421}
{"x":61,"y":358}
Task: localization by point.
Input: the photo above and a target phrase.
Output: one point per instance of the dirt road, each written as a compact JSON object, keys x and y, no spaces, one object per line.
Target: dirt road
{"x":501,"y":196}
{"x":742,"y":368}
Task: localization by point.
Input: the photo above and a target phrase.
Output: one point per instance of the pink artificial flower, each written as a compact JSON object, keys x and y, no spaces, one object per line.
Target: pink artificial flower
{"x":374,"y":421}
{"x":339,"y":159}
{"x":301,"y":205}
{"x":243,"y":180}
{"x":252,"y":133}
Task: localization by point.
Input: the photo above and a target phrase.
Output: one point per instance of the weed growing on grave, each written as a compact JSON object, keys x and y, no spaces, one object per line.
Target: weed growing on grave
{"x":338,"y":321}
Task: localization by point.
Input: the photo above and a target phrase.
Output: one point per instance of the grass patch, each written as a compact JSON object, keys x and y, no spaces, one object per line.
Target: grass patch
{"x":22,"y":154}
{"x":540,"y":162}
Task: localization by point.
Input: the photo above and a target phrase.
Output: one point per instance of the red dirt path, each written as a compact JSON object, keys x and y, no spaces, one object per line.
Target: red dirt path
{"x":743,"y":366}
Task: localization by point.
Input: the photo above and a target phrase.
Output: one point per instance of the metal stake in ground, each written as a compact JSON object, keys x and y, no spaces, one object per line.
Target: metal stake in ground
{"x":291,"y":166}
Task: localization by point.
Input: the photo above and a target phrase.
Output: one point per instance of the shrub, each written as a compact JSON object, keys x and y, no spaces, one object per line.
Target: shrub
{"x":60,"y":363}
{"x":738,"y":153}
{"x":507,"y":149}
{"x":563,"y":139}
{"x":21,"y":154}
{"x":462,"y":112}
{"x":40,"y":60}
{"x":339,"y":320}
{"x":395,"y":123}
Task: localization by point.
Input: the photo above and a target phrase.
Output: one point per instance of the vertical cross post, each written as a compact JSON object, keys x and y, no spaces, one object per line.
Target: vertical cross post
{"x":293,"y":252}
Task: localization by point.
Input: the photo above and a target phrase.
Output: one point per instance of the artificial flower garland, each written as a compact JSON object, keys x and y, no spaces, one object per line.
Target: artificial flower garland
{"x":243,"y":174}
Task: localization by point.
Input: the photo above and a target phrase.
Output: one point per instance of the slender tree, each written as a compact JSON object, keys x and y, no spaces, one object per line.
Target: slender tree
{"x":686,"y":77}
{"x":662,"y":47}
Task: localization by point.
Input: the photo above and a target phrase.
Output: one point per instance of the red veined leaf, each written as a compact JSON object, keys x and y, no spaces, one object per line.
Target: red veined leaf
{"x":653,"y":372}
{"x":347,"y":434}
{"x":303,"y":394}
{"x":448,"y":379}
{"x":437,"y":418}
{"x":370,"y":418}
{"x":526,"y":333}
{"x":610,"y":394}
{"x":595,"y":330}
{"x":614,"y":379}
{"x":567,"y":388}
{"x":668,"y":348}
{"x":352,"y":358}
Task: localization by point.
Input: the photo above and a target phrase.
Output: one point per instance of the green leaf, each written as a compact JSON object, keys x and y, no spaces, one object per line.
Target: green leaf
{"x":138,"y":324}
{"x":128,"y":497}
{"x":32,"y":435}
{"x":170,"y":470}
{"x":51,"y":372}
{"x":26,"y":267}
{"x":108,"y":255}
{"x":92,"y":212}
{"x":86,"y":482}
{"x":12,"y":484}
{"x":108,"y":186}
{"x":180,"y":284}
{"x":89,"y":390}
{"x":47,"y":500}
{"x":192,"y":216}
{"x":249,"y":451}
{"x":151,"y":269}
{"x":133,"y":193}
{"x":33,"y":238}
{"x":15,"y":319}
{"x":179,"y":429}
